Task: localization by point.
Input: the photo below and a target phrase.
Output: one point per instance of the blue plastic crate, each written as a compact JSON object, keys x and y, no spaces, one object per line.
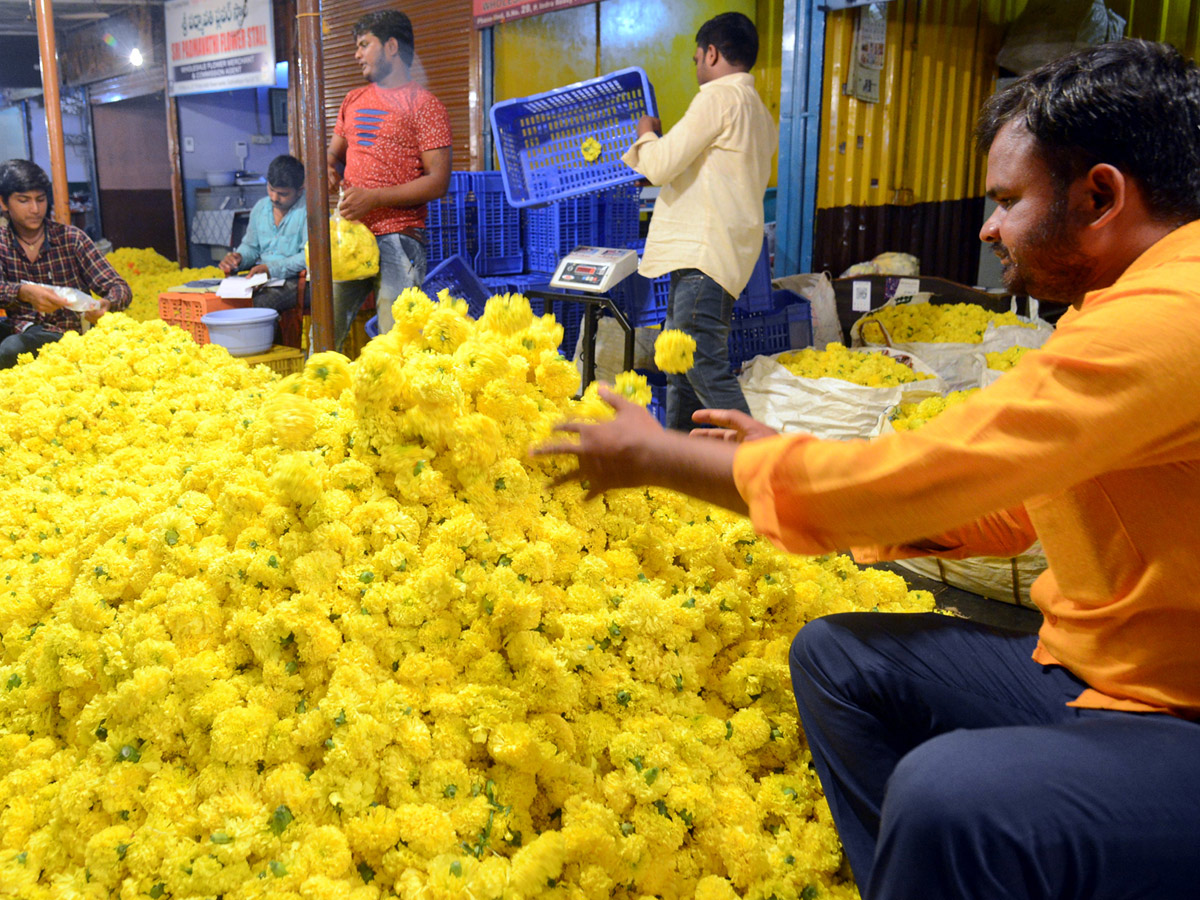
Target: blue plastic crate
{"x":372,"y":327}
{"x":763,"y":334}
{"x":756,"y":296}
{"x":538,"y":138}
{"x":455,"y":275}
{"x":446,"y":221}
{"x":619,"y":211}
{"x":497,"y":227}
{"x":568,"y":314}
{"x":551,"y":232}
{"x":516,"y":283}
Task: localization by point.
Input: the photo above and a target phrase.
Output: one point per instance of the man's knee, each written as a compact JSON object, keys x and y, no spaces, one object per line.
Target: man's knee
{"x":952,"y":784}
{"x":827,"y":643}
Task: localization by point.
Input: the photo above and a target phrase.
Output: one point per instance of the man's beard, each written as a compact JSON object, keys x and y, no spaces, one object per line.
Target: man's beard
{"x":1048,"y":264}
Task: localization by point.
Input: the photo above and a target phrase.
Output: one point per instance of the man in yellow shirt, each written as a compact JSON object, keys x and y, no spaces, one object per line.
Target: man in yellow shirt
{"x":961,"y":761}
{"x":707,"y":226}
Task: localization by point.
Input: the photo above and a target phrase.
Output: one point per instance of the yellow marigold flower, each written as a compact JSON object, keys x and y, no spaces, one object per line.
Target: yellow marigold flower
{"x":836,"y":361}
{"x":1005,"y":359}
{"x":590,"y":149}
{"x":506,"y":314}
{"x":936,"y":322}
{"x":327,"y":374}
{"x":296,"y":478}
{"x":908,"y":416}
{"x":293,"y":418}
{"x":674,"y":351}
{"x":633,"y":386}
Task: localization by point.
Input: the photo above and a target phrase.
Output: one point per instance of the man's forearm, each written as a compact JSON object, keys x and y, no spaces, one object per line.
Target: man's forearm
{"x":694,"y":466}
{"x":417,"y":192}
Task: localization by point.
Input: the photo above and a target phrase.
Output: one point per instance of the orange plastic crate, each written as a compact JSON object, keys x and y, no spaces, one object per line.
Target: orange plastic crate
{"x":185,"y":309}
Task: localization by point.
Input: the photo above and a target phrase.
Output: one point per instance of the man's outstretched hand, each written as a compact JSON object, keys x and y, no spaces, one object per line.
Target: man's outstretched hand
{"x":610,"y":454}
{"x":633,"y":450}
{"x":730,"y":425}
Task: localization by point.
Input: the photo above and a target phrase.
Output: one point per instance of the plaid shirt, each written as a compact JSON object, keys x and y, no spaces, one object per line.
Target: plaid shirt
{"x":67,"y":258}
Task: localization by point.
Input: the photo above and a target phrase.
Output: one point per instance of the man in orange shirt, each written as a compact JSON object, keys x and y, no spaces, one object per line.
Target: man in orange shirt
{"x":959,"y":760}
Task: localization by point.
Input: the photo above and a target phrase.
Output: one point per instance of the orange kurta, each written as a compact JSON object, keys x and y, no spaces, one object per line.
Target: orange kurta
{"x":1091,"y":444}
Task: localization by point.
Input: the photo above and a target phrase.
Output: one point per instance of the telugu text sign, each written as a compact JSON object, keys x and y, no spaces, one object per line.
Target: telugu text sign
{"x":216,"y":45}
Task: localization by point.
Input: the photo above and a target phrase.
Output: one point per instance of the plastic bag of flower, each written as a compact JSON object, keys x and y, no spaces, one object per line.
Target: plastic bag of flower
{"x":336,"y":636}
{"x":837,"y":393}
{"x":948,"y":336}
{"x":353,"y":250}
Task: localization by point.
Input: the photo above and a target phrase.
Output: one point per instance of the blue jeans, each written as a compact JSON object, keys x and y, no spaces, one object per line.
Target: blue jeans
{"x":700,"y":307}
{"x":30,"y":340}
{"x":955,"y":769}
{"x":401,"y":265}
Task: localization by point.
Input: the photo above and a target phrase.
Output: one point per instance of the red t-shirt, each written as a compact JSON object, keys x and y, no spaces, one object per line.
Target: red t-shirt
{"x":386,"y":132}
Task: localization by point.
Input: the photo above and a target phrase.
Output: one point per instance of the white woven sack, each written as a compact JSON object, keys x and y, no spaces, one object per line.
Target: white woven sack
{"x":828,"y":408}
{"x":959,"y":365}
{"x":997,"y":578}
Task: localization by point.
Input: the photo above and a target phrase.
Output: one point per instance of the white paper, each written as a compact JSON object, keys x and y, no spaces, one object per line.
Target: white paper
{"x":860,"y":298}
{"x":240,"y":287}
{"x":907,"y":287}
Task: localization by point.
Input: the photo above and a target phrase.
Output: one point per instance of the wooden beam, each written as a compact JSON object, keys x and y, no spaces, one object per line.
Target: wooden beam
{"x":50,"y":96}
{"x":173,"y":152}
{"x":310,"y":80}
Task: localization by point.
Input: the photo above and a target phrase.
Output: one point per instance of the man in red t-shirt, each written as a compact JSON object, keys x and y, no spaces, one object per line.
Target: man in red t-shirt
{"x":390,"y":155}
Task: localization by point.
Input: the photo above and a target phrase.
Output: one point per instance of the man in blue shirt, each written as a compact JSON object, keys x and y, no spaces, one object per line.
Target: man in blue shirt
{"x":275,"y":238}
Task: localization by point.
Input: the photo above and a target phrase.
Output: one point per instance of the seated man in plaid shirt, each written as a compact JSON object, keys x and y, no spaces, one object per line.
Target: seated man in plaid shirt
{"x":36,"y":251}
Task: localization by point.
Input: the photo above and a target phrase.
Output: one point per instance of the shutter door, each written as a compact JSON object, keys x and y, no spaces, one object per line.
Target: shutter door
{"x":445,"y":62}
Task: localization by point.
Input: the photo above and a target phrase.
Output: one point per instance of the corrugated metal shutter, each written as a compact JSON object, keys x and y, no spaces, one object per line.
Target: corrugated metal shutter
{"x":446,"y":62}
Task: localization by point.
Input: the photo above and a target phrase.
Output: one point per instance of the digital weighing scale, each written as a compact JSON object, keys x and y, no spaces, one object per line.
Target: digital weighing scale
{"x":592,"y":272}
{"x":594,"y":269}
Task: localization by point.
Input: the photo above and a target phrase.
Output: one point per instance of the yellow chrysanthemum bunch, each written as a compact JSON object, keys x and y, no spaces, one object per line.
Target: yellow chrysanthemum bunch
{"x":353,"y":250}
{"x":383,"y":657}
{"x":908,"y":416}
{"x":836,"y":361}
{"x":1003,"y":360}
{"x":963,"y":323}
{"x":590,"y":149}
{"x":149,"y":274}
{"x":674,"y":351}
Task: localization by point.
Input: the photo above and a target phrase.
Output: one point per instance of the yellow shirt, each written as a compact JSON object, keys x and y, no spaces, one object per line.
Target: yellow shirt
{"x":713,"y":167}
{"x":1091,"y":444}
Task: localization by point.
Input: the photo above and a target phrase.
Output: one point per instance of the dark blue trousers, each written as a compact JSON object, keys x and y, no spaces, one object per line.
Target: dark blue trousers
{"x":955,"y":770}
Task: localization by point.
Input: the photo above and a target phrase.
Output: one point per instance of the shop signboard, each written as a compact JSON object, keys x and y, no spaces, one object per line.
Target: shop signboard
{"x":493,"y":12}
{"x":217,"y":45}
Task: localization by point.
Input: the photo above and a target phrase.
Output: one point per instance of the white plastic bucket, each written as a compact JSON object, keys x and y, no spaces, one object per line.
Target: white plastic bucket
{"x":243,"y":332}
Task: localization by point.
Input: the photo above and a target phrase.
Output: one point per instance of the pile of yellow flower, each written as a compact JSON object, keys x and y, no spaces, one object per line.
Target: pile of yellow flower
{"x":334,"y":636}
{"x":674,"y":351}
{"x":353,"y":251}
{"x":1004,"y":360}
{"x":149,"y":274}
{"x":835,"y":361}
{"x":908,"y":416}
{"x":962,"y":323}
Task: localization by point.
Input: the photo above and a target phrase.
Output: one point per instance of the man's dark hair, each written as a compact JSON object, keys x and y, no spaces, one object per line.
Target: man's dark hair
{"x":18,"y":176}
{"x":285,"y":172}
{"x":734,"y":36}
{"x":389,"y":23}
{"x":1132,"y":104}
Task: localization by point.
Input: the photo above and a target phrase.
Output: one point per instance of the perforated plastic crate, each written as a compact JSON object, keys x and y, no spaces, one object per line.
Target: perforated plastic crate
{"x":551,"y":232}
{"x":446,"y":221}
{"x":756,"y":295}
{"x":762,"y":334}
{"x":497,"y":227}
{"x":540,"y":138}
{"x":455,"y":275}
{"x":619,"y":210}
{"x":185,"y":309}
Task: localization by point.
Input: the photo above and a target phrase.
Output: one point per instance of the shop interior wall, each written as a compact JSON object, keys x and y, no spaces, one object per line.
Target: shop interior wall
{"x":214,"y":122}
{"x":543,"y":52}
{"x":902,"y":174}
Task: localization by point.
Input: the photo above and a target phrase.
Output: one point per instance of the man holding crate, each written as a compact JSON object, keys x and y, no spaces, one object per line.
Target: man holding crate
{"x":390,"y":155}
{"x":707,"y":225}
